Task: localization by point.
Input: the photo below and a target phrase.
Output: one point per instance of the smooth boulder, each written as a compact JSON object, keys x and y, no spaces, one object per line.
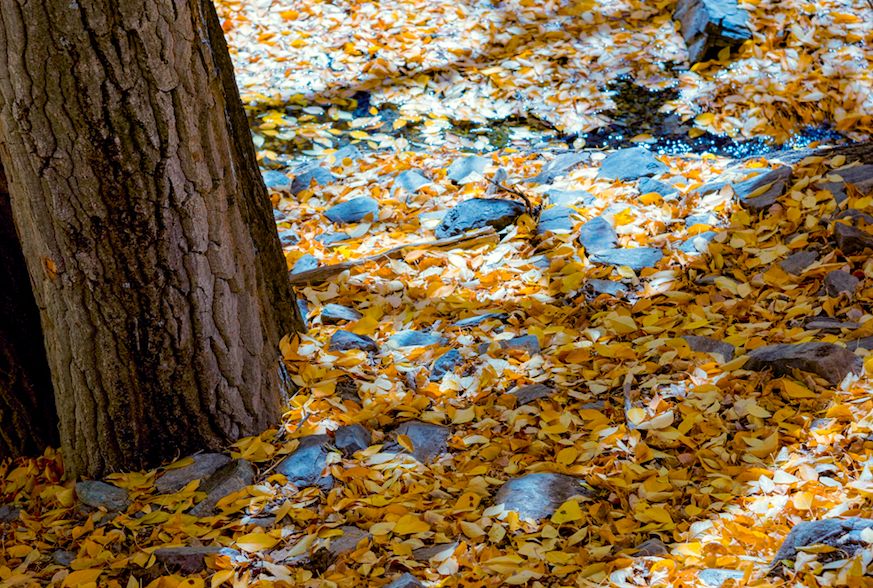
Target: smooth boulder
{"x":827,"y":360}
{"x":537,"y":496}
{"x":353,"y":211}
{"x":476,"y":213}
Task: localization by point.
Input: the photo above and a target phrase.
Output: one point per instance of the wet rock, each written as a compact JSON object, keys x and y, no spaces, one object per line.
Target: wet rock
{"x":444,"y":364}
{"x":716,"y":577}
{"x":597,"y":235}
{"x":288,"y":237}
{"x":228,"y":479}
{"x":411,"y":181}
{"x":555,"y":219}
{"x":305,"y":263}
{"x":347,"y":388}
{"x":306,"y":465}
{"x":468,"y":169}
{"x":797,"y":262}
{"x":203,"y":466}
{"x":828,"y":325}
{"x":651,"y":548}
{"x":606,"y":287}
{"x":777,"y":178}
{"x":98,"y":494}
{"x":189,"y":560}
{"x":276,"y":181}
{"x":354,"y":210}
{"x":537,"y":496}
{"x":527,"y":343}
{"x":428,"y":440}
{"x":698,"y":243}
{"x":710,"y":25}
{"x":475,"y":321}
{"x":351,"y":438}
{"x":569,"y":198}
{"x":557,"y":167}
{"x":345,"y":341}
{"x":307,"y":175}
{"x":406,"y":580}
{"x":852,"y":240}
{"x":333,"y":314}
{"x":331,"y":238}
{"x":843,"y":534}
{"x":410,"y":338}
{"x":630,"y":164}
{"x":860,"y":176}
{"x":710,"y":345}
{"x":530,"y":392}
{"x":648,"y":185}
{"x":9,"y":513}
{"x":62,"y":557}
{"x":477,"y":213}
{"x":636,"y":259}
{"x":440,"y":551}
{"x":827,"y":360}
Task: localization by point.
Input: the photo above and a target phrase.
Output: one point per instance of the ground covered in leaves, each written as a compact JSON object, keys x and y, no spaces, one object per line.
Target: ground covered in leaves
{"x":606,"y":331}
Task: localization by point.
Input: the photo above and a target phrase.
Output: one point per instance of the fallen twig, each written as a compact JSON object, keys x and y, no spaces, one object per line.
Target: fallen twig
{"x":519,"y":193}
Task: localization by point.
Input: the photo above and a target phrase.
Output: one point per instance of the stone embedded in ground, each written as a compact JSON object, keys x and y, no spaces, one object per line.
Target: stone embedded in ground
{"x":309,"y":174}
{"x":597,"y":235}
{"x":477,"y":213}
{"x":429,"y":441}
{"x":306,"y":466}
{"x":527,"y":343}
{"x":336,"y":158}
{"x":333,"y":314}
{"x":440,"y":550}
{"x":557,"y":167}
{"x":710,"y":25}
{"x":62,"y":557}
{"x":861,"y":176}
{"x":705,"y":218}
{"x":331,"y":238}
{"x":351,"y":438}
{"x":636,"y":259}
{"x":305,"y":263}
{"x":853,"y":215}
{"x":347,"y":388}
{"x":716,"y":577}
{"x":475,"y":321}
{"x":411,"y":180}
{"x":98,"y":494}
{"x":468,"y":169}
{"x":444,"y":364}
{"x":288,"y":237}
{"x":649,"y":185}
{"x":345,"y":341}
{"x":709,"y":345}
{"x":556,"y":219}
{"x":276,"y":181}
{"x":606,"y":287}
{"x":303,"y":308}
{"x":530,"y":392}
{"x":569,"y":198}
{"x":828,"y":325}
{"x":411,"y":338}
{"x":537,"y":496}
{"x":406,"y":580}
{"x":852,"y":240}
{"x":650,"y":548}
{"x":189,"y":560}
{"x":777,"y":179}
{"x":842,"y":534}
{"x":797,"y":262}
{"x":203,"y":466}
{"x":862,"y":343}
{"x":354,"y":210}
{"x":347,"y":542}
{"x":9,"y":513}
{"x":827,"y":360}
{"x":630,"y":164}
{"x":697,"y":243}
{"x":228,"y":479}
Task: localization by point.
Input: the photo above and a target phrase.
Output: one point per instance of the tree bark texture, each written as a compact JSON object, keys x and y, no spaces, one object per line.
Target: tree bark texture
{"x":28,"y":420}
{"x":146,"y":227}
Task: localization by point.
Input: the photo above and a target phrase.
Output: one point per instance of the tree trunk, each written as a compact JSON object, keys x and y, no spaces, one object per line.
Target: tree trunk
{"x":146,"y":227}
{"x":28,"y":420}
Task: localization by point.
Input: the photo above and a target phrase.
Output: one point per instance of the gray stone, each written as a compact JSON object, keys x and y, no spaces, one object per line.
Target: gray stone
{"x":569,"y":198}
{"x":843,"y":534}
{"x":352,"y":438}
{"x":349,"y":151}
{"x":432,"y":551}
{"x":557,"y":167}
{"x":537,"y":496}
{"x":827,"y":324}
{"x":853,"y":215}
{"x":276,"y":181}
{"x":203,"y":466}
{"x":698,"y":243}
{"x":636,"y":259}
{"x":475,"y":321}
{"x":347,"y":388}
{"x":306,"y":465}
{"x":62,"y":557}
{"x":307,"y":175}
{"x":98,"y":494}
{"x":555,"y":219}
{"x":648,"y":185}
{"x":189,"y":560}
{"x":410,"y":338}
{"x":406,"y":580}
{"x":705,"y":218}
{"x":305,"y":263}
{"x":328,"y":239}
{"x":861,"y":176}
{"x":303,"y":308}
{"x":353,"y":211}
{"x":852,"y":240}
{"x":333,"y":314}
{"x":531,"y":392}
{"x":444,"y":364}
{"x":630,"y":164}
{"x":606,"y":287}
{"x":347,"y":542}
{"x":651,"y":548}
{"x":9,"y":513}
{"x":527,"y":343}
{"x":428,"y":440}
{"x":709,"y":345}
{"x":288,"y":237}
{"x":863,"y":343}
{"x":830,"y":361}
{"x":411,"y":180}
{"x":228,"y":479}
{"x":710,"y":25}
{"x":468,"y":169}
{"x":778,"y":178}
{"x":597,"y":235}
{"x":716,"y":577}
{"x":797,"y":262}
{"x":345,"y":340}
{"x":477,"y":213}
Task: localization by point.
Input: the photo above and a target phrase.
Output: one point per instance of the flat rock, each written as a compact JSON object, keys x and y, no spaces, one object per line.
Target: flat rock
{"x":288,"y":237}
{"x":630,"y":164}
{"x":276,"y":181}
{"x":306,"y":465}
{"x":569,"y":198}
{"x":527,"y":343}
{"x":559,"y":166}
{"x":9,"y":513}
{"x":62,"y":557}
{"x":303,"y":309}
{"x":537,"y":496}
{"x":331,"y":238}
{"x":349,"y":151}
{"x":597,"y":235}
{"x":411,"y":180}
{"x":651,"y":548}
{"x":352,"y":438}
{"x":709,"y":345}
{"x":475,"y":321}
{"x":852,"y":240}
{"x":406,"y":580}
{"x":353,"y":211}
{"x":698,"y":243}
{"x":411,"y":338}
{"x":333,"y":314}
{"x":636,"y":259}
{"x":704,"y":218}
{"x":710,"y":25}
{"x":429,"y":441}
{"x":649,"y":185}
{"x":189,"y":560}
{"x":203,"y":466}
{"x":228,"y":479}
{"x":777,"y":178}
{"x":477,"y":213}
{"x":843,"y":534}
{"x":830,"y":361}
{"x":305,"y":263}
{"x":440,"y":550}
{"x":716,"y":577}
{"x":862,"y":343}
{"x":797,"y":262}
{"x":530,"y":392}
{"x":828,"y":325}
{"x":468,"y":169}
{"x":347,"y":542}
{"x":345,"y":341}
{"x":304,"y":179}
{"x":606,"y":287}
{"x":860,"y":176}
{"x":98,"y":494}
{"x":444,"y":364}
{"x":555,"y":219}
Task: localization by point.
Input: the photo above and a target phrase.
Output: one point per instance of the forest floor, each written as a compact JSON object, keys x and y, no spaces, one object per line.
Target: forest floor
{"x":607,"y":329}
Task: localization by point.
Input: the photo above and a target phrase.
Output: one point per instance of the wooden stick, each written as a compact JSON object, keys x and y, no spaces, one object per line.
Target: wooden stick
{"x":518,"y":193}
{"x":323,"y":274}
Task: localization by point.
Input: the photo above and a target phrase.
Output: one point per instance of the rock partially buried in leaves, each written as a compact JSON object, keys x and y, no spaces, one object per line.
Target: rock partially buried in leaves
{"x":606,"y":287}
{"x":716,"y":577}
{"x":710,"y":345}
{"x":332,"y":314}
{"x":861,"y":176}
{"x":852,"y":240}
{"x":412,"y":338}
{"x":475,"y":321}
{"x":354,"y":210}
{"x":556,"y":219}
{"x":189,"y":560}
{"x":347,"y":388}
{"x":651,"y":548}
{"x":203,"y":466}
{"x":276,"y":181}
{"x":307,"y":175}
{"x":527,"y":343}
{"x":630,"y":164}
{"x":559,"y":166}
{"x":468,"y":169}
{"x":710,"y":25}
{"x":569,"y":198}
{"x":9,"y":513}
{"x":228,"y":479}
{"x":649,"y":185}
{"x":597,"y":235}
{"x":444,"y":364}
{"x":352,"y":438}
{"x":773,"y":182}
{"x":637,"y":259}
{"x":306,"y":262}
{"x":530,"y":392}
{"x":830,"y":361}
{"x":477,"y":213}
{"x":411,"y":180}
{"x":440,"y":551}
{"x":840,"y":282}
{"x":331,"y":238}
{"x":537,"y":496}
{"x":697,"y":243}
{"x":306,"y":465}
{"x":345,"y":341}
{"x":98,"y":494}
{"x":797,"y":262}
{"x":428,"y":440}
{"x":406,"y":580}
{"x":842,"y":534}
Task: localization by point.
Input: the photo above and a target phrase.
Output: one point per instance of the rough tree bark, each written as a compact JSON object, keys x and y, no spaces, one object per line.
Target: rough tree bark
{"x":28,"y":421}
{"x":146,"y":227}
